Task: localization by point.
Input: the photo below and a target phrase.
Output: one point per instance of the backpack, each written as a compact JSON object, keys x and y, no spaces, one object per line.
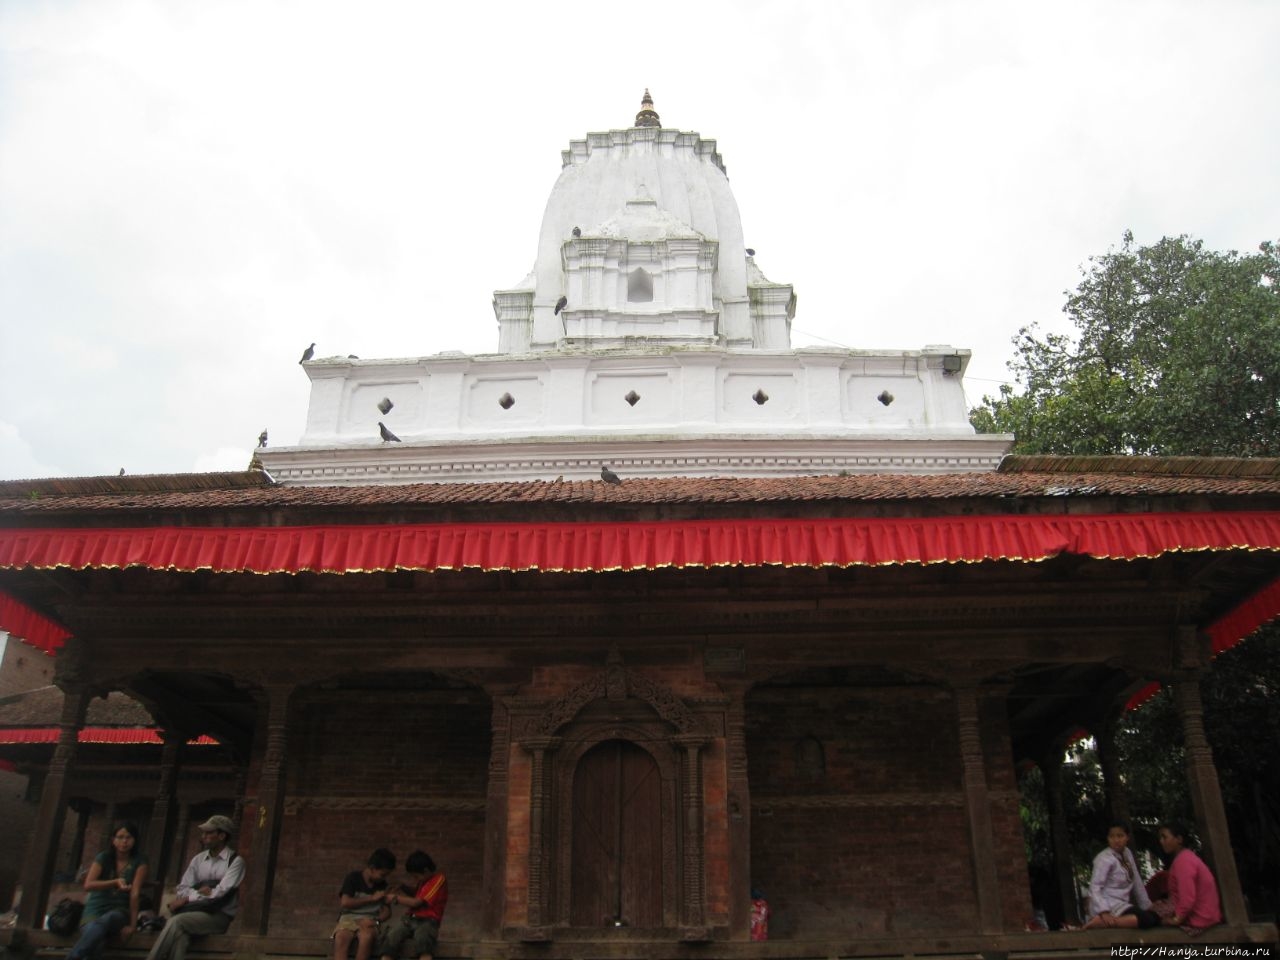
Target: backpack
{"x":64,"y":919}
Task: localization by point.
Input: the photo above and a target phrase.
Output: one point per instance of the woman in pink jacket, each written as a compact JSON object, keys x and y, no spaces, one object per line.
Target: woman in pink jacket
{"x":1192,"y":888}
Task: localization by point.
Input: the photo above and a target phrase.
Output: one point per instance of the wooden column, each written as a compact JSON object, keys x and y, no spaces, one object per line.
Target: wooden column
{"x":693,"y":871}
{"x":1060,"y":839}
{"x":177,"y":850}
{"x":160,"y":831}
{"x":977,"y":805}
{"x":1206,"y":798}
{"x":739,"y":811}
{"x":47,"y":829}
{"x":260,"y":857}
{"x":539,"y":801}
{"x":240,"y":786}
{"x":493,"y":883}
{"x":1109,"y":760}
{"x":82,"y":807}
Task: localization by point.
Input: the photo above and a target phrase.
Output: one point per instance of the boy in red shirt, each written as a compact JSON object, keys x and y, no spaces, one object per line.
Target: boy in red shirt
{"x":430,"y":893}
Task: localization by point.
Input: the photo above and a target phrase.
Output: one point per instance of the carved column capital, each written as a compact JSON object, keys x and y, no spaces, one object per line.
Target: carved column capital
{"x":540,"y":745}
{"x":1192,"y":649}
{"x":690,"y":741}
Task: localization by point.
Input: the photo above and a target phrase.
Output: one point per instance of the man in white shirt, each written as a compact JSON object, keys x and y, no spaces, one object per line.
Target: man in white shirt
{"x":207,"y":894}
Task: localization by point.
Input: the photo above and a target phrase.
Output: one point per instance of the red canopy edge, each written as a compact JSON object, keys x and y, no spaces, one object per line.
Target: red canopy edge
{"x":588,"y":546}
{"x":600,"y":546}
{"x":1229,"y":629}
{"x":30,"y":625}
{"x":91,"y":735}
{"x":1263,"y":606}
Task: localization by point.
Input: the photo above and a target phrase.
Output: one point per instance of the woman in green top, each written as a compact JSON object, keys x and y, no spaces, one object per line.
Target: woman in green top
{"x":115,"y":884}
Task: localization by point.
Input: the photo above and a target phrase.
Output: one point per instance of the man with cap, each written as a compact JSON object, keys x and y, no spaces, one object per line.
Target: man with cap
{"x":207,"y":892}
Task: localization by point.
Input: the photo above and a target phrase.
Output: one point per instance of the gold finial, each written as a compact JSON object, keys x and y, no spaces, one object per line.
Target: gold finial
{"x":647,"y":117}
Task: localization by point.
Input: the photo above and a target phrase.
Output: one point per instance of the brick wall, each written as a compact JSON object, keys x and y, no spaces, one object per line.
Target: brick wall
{"x":1006,"y":820}
{"x":405,"y":772}
{"x":867,"y":833}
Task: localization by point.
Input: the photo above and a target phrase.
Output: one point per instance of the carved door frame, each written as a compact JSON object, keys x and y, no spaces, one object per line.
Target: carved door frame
{"x":654,"y":718}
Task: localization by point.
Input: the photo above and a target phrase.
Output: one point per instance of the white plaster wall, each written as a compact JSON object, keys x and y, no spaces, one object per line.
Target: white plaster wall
{"x":681,"y":391}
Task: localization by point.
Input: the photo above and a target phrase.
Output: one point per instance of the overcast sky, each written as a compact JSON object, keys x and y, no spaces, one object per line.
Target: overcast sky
{"x":190,"y":193}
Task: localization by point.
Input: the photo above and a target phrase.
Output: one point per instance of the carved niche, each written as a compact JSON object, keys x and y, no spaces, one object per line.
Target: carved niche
{"x":648,"y":721}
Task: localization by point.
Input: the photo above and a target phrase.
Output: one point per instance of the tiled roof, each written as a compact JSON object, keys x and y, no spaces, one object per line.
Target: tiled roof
{"x":1028,"y":477}
{"x":42,"y":707}
{"x":141,"y":483}
{"x":1263,"y":467}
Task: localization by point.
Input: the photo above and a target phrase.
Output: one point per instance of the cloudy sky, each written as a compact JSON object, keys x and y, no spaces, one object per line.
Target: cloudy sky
{"x":191,"y":192}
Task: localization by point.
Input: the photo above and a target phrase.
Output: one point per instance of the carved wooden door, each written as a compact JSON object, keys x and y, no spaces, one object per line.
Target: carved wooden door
{"x":617,"y":838}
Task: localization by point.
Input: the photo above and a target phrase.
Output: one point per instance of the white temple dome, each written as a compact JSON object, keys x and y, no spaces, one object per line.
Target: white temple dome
{"x":645,"y":337}
{"x":642,"y":184}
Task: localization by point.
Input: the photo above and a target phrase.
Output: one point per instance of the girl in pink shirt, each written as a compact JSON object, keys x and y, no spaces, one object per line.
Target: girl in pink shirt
{"x":1192,"y":888}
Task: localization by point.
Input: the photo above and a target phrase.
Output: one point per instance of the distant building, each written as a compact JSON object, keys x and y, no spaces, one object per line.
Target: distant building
{"x":116,"y":776}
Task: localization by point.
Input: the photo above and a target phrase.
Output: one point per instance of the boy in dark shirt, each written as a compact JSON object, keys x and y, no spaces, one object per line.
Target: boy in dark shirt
{"x":425,"y":898}
{"x":364,"y":902}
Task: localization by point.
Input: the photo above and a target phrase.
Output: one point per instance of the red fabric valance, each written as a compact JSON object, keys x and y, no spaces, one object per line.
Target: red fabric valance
{"x":635,"y":546}
{"x":598,"y":546}
{"x":91,"y":735}
{"x":23,"y":622}
{"x":1246,"y":618}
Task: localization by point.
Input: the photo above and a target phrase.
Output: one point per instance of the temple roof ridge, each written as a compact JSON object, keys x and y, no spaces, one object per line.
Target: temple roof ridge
{"x":631,"y":139}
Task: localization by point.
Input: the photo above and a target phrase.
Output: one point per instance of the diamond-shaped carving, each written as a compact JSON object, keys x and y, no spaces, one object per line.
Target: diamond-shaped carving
{"x":632,"y":398}
{"x":760,"y":397}
{"x":885,"y":397}
{"x":506,"y":401}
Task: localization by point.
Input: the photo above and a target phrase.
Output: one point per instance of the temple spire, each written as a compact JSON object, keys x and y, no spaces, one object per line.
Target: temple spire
{"x":647,"y":117}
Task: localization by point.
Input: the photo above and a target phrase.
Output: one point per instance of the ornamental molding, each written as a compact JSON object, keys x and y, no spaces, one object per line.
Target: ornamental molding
{"x":296,"y":805}
{"x":849,"y":801}
{"x":615,"y":683}
{"x":678,"y":141}
{"x":762,"y":804}
{"x":632,"y":459}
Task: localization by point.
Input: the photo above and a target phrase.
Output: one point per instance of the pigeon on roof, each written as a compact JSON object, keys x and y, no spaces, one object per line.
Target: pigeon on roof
{"x":387,"y":435}
{"x":561,"y":304}
{"x":262,"y":437}
{"x":577,"y":232}
{"x":608,"y":476}
{"x":308,"y":353}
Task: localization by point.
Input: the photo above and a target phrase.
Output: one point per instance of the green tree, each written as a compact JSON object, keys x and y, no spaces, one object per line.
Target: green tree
{"x":1176,"y":353}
